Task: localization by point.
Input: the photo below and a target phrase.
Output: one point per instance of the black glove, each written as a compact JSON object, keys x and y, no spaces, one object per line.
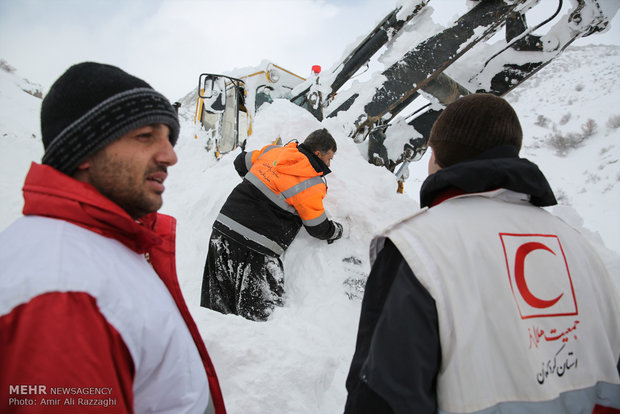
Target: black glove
{"x":337,"y":233}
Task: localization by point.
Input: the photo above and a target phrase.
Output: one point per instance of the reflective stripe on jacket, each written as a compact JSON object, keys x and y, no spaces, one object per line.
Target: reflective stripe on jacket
{"x":287,"y":178}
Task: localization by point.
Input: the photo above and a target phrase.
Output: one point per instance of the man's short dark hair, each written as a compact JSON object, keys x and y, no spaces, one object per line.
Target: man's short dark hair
{"x":320,"y":140}
{"x":472,"y":125}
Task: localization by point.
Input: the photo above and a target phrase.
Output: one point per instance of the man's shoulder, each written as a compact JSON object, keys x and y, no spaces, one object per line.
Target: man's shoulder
{"x":32,"y":222}
{"x":42,"y":231}
{"x":61,"y":254}
{"x":31,"y":234}
{"x":40,"y":255}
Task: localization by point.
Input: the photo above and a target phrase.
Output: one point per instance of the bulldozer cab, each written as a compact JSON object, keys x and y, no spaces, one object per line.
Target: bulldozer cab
{"x":221,"y":108}
{"x":226,"y":105}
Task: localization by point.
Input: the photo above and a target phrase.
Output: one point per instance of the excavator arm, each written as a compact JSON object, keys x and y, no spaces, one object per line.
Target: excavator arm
{"x":490,"y":48}
{"x":470,"y":55}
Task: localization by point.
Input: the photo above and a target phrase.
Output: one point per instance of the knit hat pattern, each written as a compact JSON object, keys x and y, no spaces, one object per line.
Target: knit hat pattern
{"x":472,"y":125}
{"x":90,"y":106}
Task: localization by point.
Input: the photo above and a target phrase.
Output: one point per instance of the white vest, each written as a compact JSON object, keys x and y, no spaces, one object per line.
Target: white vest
{"x":41,"y":255}
{"x":526,"y":308}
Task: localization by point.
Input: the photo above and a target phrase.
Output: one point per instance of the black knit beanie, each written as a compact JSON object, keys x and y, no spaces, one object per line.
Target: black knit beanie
{"x":92,"y":105}
{"x":472,"y":125}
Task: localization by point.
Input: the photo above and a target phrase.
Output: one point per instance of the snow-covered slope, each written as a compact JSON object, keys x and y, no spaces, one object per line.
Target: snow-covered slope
{"x":571,"y":117}
{"x":20,"y":141}
{"x":297,"y":361}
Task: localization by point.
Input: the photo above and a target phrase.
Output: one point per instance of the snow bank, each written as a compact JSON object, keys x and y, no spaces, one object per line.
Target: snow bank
{"x":298,"y":360}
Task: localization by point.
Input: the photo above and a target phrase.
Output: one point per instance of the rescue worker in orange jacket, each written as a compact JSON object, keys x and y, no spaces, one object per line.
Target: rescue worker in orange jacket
{"x":283,"y":187}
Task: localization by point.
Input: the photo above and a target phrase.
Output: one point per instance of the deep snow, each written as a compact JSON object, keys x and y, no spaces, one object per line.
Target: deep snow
{"x":297,"y":361}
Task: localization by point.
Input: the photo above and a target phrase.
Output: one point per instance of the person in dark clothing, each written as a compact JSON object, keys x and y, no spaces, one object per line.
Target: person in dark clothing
{"x":282,"y":189}
{"x":450,"y":323}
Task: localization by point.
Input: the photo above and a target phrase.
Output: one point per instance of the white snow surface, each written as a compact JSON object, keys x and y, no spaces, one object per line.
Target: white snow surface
{"x":297,"y":362}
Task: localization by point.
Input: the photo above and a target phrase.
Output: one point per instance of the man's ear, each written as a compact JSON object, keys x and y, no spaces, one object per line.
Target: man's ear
{"x":318,"y":153}
{"x":433,"y":165}
{"x":81,"y":171}
{"x":85,"y":165}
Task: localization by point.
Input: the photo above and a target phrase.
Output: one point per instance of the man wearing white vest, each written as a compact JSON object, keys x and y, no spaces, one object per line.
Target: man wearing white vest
{"x":482,"y":301}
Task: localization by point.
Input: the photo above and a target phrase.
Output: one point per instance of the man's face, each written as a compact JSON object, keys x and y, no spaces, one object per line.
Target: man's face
{"x":131,"y":170}
{"x":326,"y":157}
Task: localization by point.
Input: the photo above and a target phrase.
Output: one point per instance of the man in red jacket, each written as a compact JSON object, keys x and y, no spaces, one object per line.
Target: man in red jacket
{"x":91,"y":312}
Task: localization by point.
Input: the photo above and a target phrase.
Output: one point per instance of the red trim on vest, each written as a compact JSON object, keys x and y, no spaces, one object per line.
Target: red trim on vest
{"x":446,"y":195}
{"x":599,"y":409}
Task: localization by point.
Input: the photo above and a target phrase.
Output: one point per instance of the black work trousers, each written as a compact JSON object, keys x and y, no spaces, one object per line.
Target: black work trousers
{"x":241,"y":281}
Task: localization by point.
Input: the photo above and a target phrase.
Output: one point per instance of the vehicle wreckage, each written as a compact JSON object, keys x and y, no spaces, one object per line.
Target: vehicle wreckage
{"x":490,"y":48}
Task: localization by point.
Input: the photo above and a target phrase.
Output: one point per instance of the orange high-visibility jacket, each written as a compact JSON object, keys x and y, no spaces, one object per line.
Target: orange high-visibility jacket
{"x":283,"y":188}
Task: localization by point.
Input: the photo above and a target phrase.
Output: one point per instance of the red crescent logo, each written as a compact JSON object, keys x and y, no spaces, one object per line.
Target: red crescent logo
{"x":527,"y":295}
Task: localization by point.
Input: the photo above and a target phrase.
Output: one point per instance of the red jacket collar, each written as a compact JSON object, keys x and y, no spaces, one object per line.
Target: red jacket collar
{"x":50,"y":193}
{"x":446,"y":195}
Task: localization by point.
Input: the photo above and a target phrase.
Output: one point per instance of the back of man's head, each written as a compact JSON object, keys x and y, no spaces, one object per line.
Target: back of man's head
{"x":472,"y":125}
{"x":321,"y":140}
{"x":93,"y":104}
